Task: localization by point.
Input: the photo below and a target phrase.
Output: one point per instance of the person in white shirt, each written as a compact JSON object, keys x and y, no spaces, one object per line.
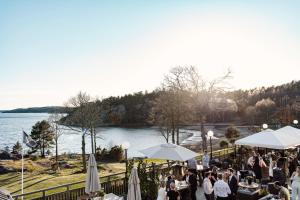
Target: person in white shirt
{"x":221,"y":189}
{"x":162,"y":192}
{"x":207,"y":187}
{"x":205,"y":160}
{"x":251,"y":160}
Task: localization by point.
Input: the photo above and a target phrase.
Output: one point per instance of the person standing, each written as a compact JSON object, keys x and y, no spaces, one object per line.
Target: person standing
{"x":272,"y":165}
{"x":278,"y":174}
{"x":161,"y":195}
{"x":257,"y":168}
{"x":251,"y":160}
{"x":205,"y":163}
{"x":233,"y":184}
{"x":205,"y":160}
{"x":296,"y":184}
{"x":193,"y":184}
{"x":221,"y":189}
{"x":172,"y":194}
{"x":207,"y":187}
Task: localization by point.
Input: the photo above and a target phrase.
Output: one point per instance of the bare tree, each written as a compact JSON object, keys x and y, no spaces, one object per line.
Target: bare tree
{"x":204,"y":93}
{"x":188,"y":97}
{"x":57,"y":130}
{"x":82,"y":116}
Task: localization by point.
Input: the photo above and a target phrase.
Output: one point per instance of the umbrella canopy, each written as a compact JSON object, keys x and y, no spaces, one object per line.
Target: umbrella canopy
{"x":270,"y":139}
{"x":92,"y":183}
{"x":289,"y":130}
{"x":134,"y":190}
{"x":5,"y":195}
{"x":169,"y":152}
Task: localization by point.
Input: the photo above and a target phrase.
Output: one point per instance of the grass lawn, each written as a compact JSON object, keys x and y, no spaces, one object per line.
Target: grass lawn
{"x":38,"y":175}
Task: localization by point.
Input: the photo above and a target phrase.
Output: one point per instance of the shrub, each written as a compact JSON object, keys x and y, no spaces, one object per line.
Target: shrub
{"x":223,"y":144}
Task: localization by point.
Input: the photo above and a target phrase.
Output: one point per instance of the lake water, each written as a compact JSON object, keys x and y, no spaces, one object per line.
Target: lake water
{"x":11,"y":125}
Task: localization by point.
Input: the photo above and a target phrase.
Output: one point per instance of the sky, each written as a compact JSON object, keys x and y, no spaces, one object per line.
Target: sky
{"x":52,"y":49}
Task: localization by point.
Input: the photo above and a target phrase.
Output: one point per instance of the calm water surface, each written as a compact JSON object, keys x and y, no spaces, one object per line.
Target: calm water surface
{"x":11,"y":125}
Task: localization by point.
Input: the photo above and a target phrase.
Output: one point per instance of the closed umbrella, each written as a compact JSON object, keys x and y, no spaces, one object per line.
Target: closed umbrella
{"x":4,"y":195}
{"x":169,"y":152}
{"x":134,"y":190}
{"x":92,"y":183}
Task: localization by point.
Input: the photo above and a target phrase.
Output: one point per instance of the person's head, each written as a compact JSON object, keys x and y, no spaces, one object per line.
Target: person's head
{"x":220,"y":176}
{"x":172,"y":176}
{"x":277,"y":185}
{"x":190,"y":172}
{"x":205,"y":152}
{"x":298,"y":170}
{"x":172,"y":186}
{"x":207,"y":175}
{"x":215,"y":169}
{"x":231,"y":171}
{"x":186,"y":171}
{"x":253,"y":153}
{"x":162,"y":184}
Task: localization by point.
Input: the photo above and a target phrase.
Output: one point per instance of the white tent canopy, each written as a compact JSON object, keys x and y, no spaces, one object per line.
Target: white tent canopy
{"x":289,"y":130}
{"x":169,"y":152}
{"x":270,"y":139}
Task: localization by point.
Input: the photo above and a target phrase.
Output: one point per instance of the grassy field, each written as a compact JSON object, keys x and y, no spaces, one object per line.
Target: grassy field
{"x":39,"y":175}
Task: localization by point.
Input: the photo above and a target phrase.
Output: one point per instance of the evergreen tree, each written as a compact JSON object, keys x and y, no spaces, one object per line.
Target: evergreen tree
{"x":17,"y":148}
{"x":42,"y":134}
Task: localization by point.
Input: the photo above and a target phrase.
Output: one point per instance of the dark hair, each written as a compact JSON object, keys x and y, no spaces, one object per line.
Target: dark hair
{"x":205,"y":151}
{"x":231,"y":170}
{"x":207,"y":174}
{"x":277,"y":183}
{"x":220,"y":176}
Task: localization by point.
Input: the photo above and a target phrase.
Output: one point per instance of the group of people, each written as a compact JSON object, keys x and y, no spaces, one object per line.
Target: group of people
{"x":220,"y":185}
{"x":277,"y":167}
{"x":168,"y":191}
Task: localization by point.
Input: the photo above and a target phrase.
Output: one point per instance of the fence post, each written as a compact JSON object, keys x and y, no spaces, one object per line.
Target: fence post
{"x":44,"y":194}
{"x":68,"y":192}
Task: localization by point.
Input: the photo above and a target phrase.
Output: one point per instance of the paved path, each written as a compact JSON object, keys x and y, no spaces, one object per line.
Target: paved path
{"x":200,"y":194}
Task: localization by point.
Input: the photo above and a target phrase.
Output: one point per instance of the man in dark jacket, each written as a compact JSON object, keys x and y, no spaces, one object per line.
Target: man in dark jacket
{"x":279,"y":175}
{"x":193,"y":184}
{"x":233,"y":184}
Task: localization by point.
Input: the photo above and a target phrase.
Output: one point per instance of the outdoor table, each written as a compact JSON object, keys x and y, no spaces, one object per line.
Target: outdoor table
{"x":247,"y":194}
{"x":269,"y":197}
{"x":246,"y":185}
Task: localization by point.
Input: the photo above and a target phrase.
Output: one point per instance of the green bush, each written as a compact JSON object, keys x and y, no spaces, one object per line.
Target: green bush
{"x":223,"y":144}
{"x":115,"y":154}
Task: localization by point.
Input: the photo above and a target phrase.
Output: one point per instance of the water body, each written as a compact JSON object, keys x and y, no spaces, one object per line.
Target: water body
{"x":12,"y":124}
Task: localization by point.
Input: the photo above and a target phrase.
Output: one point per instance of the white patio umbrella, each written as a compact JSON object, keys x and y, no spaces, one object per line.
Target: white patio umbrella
{"x":92,"y":183}
{"x":169,"y":152}
{"x":134,"y":190}
{"x":5,"y":195}
{"x":270,"y":139}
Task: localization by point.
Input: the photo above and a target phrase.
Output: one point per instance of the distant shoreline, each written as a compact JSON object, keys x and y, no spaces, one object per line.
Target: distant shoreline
{"x":45,"y":109}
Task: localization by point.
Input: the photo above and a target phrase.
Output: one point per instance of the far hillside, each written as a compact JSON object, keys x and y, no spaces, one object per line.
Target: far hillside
{"x":47,"y":109}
